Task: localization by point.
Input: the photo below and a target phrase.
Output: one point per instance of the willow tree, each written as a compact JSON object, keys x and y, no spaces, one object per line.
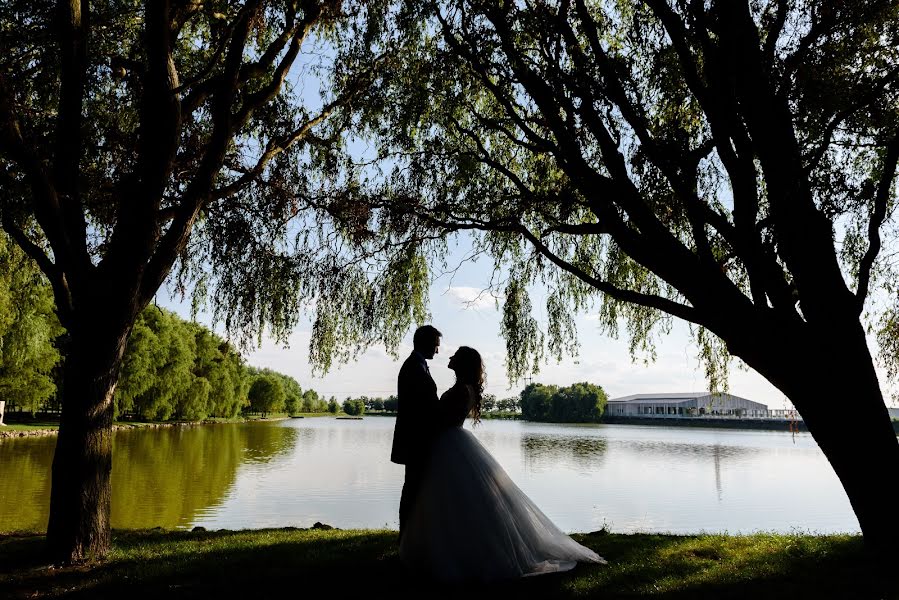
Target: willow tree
{"x":143,"y":140}
{"x":28,"y":330}
{"x":730,"y":163}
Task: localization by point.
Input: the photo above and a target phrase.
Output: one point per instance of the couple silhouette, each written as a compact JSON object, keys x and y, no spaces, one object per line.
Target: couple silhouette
{"x":462,"y":519}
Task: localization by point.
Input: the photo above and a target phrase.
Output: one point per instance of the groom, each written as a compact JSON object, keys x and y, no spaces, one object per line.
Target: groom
{"x":415,"y":416}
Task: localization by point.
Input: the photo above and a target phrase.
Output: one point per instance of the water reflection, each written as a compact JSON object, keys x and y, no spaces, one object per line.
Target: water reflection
{"x":265,"y":442}
{"x":25,"y":482}
{"x":299,"y":471}
{"x":161,"y":477}
{"x":545,"y":451}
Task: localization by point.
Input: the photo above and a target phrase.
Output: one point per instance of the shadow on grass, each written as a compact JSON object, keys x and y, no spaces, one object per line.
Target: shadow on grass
{"x":238,"y":564}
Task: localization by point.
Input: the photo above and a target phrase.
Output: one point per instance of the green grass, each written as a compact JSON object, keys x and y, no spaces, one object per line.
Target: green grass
{"x":31,"y":426}
{"x":364,"y":564}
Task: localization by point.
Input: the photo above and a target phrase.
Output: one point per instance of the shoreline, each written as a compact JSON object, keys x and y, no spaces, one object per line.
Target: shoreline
{"x":711,"y":423}
{"x":124,"y":426}
{"x":747,"y":424}
{"x":700,"y":422}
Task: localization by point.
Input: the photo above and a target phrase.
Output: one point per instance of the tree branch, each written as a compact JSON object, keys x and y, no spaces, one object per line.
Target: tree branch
{"x":73,"y":17}
{"x":209,"y":67}
{"x":278,"y":145}
{"x":271,"y":89}
{"x":61,"y":292}
{"x":814,"y":158}
{"x":35,"y":252}
{"x":688,"y":313}
{"x":818,"y":29}
{"x":804,"y":233}
{"x":881,"y":200}
{"x":678,"y":173}
{"x":472,"y":57}
{"x":773,"y":33}
{"x":44,"y":198}
{"x":136,"y":228}
{"x":201,"y":89}
{"x":200,"y":186}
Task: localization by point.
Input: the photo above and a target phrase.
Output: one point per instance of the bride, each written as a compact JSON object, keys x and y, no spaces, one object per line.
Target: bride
{"x":470,"y":521}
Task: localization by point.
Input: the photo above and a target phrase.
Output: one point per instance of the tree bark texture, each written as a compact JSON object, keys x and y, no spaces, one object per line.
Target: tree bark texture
{"x":78,"y":528}
{"x":828,"y":374}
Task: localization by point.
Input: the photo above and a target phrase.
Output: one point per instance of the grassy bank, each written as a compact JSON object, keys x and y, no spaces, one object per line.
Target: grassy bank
{"x":44,"y":426}
{"x":31,"y":426}
{"x":364,"y":564}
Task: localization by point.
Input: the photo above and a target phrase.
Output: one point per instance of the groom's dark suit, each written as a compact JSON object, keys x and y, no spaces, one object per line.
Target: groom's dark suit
{"x":416,"y":423}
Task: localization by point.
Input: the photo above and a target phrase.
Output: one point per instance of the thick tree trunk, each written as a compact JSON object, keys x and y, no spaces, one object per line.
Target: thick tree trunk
{"x":78,"y":528}
{"x":829,"y":376}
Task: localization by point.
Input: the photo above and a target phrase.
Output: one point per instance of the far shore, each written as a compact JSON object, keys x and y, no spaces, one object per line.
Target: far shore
{"x":45,"y":427}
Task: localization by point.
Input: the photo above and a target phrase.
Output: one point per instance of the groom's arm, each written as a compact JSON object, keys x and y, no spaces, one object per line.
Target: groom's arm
{"x":427,"y":395}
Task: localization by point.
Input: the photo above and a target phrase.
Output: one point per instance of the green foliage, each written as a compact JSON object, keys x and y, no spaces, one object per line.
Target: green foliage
{"x":176,"y":369}
{"x":172,"y":368}
{"x":157,"y":373}
{"x":510,"y":405}
{"x":333,"y":407}
{"x":311,"y":402}
{"x":391,"y":404}
{"x":293,"y":396}
{"x":218,"y":179}
{"x":536,"y":401}
{"x":266,"y":395}
{"x":28,"y":332}
{"x":617,"y":154}
{"x":354,"y":407}
{"x":577,"y":403}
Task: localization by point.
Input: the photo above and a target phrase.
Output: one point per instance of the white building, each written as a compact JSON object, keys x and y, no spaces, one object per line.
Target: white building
{"x":692,"y":404}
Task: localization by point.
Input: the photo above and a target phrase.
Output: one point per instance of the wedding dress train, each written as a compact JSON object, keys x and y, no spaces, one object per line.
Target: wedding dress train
{"x":471,"y":522}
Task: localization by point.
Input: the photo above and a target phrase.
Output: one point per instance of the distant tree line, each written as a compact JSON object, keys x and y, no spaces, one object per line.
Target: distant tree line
{"x":577,"y":403}
{"x":491,"y":407}
{"x":370,"y":404}
{"x":273,"y":392}
{"x":172,"y":369}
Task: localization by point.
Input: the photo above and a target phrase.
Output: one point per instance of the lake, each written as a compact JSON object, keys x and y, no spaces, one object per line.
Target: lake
{"x":295,"y":472}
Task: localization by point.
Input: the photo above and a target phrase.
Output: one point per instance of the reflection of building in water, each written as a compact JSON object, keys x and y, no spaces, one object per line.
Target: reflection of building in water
{"x":692,"y":404}
{"x":716,"y":453}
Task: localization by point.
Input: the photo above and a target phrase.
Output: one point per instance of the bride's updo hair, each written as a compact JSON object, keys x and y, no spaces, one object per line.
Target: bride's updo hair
{"x":470,"y":370}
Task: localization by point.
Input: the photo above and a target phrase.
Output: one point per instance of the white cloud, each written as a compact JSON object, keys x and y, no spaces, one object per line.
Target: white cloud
{"x":472,"y":298}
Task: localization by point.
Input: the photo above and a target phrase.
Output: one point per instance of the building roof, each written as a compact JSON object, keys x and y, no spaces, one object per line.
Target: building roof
{"x":652,"y":397}
{"x":676,"y":397}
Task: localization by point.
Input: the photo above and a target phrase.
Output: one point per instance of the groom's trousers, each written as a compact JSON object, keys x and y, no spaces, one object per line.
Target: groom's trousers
{"x":411,"y":486}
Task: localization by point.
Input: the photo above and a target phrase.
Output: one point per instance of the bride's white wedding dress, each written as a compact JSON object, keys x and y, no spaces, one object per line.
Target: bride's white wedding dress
{"x":470,"y":522}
